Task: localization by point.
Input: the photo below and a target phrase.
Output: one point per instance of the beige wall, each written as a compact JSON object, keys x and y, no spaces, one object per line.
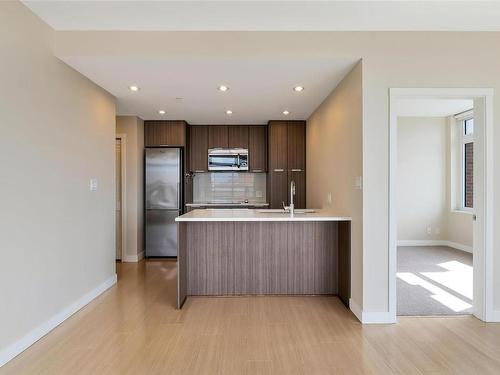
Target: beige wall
{"x":390,"y":59}
{"x":133,"y":128}
{"x":424,"y":183}
{"x":421,"y":178}
{"x":334,"y":161}
{"x":56,"y":132}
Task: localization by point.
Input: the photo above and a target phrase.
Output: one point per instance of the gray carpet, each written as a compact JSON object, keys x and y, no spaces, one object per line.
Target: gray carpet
{"x":424,"y":287}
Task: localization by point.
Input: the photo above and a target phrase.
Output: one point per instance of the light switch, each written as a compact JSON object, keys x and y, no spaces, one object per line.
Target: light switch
{"x":329,"y":198}
{"x":358,"y":182}
{"x":93,"y":184}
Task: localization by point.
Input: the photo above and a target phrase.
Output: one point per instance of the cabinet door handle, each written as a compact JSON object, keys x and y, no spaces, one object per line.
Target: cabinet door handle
{"x":279,"y":170}
{"x":257,"y":170}
{"x":296,"y":170}
{"x":199,"y":171}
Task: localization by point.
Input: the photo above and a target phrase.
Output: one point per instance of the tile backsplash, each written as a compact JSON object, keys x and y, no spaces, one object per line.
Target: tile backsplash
{"x":229,"y":187}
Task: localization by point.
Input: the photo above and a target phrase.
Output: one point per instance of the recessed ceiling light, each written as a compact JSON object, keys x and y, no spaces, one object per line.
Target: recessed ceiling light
{"x":223,"y":88}
{"x":229,"y":112}
{"x":298,"y":88}
{"x":162,"y":112}
{"x":134,"y":88}
{"x":285,"y":112}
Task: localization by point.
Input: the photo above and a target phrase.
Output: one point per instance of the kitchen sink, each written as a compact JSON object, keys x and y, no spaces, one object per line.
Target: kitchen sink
{"x":281,"y":211}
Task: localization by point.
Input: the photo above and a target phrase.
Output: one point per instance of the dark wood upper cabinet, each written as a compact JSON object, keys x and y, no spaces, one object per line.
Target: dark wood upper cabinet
{"x":198,"y":147}
{"x":237,"y":136}
{"x":278,"y":143}
{"x":257,"y":148}
{"x":217,"y":136}
{"x":296,"y":149}
{"x":165,"y":133}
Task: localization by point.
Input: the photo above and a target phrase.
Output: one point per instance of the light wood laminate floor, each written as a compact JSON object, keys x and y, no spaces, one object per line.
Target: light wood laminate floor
{"x":134,"y":329}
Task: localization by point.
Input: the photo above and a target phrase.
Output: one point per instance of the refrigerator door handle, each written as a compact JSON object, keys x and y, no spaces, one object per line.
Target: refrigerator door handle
{"x":179,"y":205}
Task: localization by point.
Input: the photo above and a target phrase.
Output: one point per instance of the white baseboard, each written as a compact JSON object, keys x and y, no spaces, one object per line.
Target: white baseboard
{"x":454,"y":245}
{"x":29,"y":339}
{"x":133,"y":258}
{"x":356,"y":310}
{"x":496,"y":316}
{"x":383,"y":317}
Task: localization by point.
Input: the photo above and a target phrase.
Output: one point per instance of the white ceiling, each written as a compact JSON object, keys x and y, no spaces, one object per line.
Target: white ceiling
{"x":433,"y":107}
{"x":260,"y":88}
{"x":471,"y":15}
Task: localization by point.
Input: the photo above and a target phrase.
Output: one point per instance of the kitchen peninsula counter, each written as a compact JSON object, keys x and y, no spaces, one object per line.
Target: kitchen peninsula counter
{"x":258,"y":215}
{"x":251,"y":252}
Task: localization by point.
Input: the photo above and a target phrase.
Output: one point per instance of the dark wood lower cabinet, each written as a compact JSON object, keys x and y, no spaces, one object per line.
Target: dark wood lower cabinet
{"x":299,"y":177}
{"x":278,"y":188}
{"x":238,"y":258}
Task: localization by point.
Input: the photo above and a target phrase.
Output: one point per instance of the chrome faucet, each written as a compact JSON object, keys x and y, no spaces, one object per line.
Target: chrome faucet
{"x":290,"y":208}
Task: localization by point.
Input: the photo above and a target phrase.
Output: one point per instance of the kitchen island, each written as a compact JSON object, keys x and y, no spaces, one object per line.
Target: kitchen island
{"x":245,"y":252}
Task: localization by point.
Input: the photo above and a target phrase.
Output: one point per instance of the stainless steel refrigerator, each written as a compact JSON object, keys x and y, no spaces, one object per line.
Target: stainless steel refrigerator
{"x":163,"y":197}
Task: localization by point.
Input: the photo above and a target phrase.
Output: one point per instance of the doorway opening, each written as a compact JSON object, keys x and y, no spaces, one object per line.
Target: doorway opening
{"x":440,"y":189}
{"x":435,"y":207}
{"x":120,"y":206}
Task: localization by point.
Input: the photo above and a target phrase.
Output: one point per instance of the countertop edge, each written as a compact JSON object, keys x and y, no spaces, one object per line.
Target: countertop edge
{"x":243,"y":205}
{"x":226,"y":219}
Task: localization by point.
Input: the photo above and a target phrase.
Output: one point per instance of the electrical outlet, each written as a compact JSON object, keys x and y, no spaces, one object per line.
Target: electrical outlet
{"x":429,"y":230}
{"x":258,"y":193}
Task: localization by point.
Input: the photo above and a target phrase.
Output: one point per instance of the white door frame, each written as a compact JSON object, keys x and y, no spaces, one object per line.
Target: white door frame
{"x":123,"y":151}
{"x":483,"y":267}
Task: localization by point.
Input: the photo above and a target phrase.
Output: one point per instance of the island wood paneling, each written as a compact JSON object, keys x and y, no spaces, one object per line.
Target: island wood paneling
{"x":313,"y":262}
{"x":196,"y":256}
{"x":248,"y":259}
{"x":237,"y":258}
{"x":275,"y":257}
{"x":220,"y":259}
{"x":344,"y":261}
{"x":182,"y":284}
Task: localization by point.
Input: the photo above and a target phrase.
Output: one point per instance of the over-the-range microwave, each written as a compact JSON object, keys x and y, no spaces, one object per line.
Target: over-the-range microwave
{"x":228,"y":159}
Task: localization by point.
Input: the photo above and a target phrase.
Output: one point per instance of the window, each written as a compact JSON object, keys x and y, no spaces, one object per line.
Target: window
{"x":468,"y":163}
{"x":469,"y":126}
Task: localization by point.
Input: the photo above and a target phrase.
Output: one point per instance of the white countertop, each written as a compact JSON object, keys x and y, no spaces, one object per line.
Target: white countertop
{"x":257,"y":215}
